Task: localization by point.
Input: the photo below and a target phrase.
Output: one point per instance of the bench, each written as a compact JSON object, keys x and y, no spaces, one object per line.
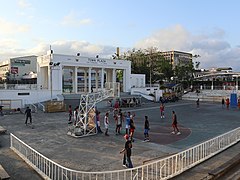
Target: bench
{"x":3,"y":173}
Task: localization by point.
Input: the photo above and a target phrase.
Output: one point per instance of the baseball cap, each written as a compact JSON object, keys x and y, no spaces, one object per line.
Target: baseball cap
{"x":126,"y":136}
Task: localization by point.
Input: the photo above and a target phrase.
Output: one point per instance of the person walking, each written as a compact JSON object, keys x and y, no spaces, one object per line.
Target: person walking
{"x":76,"y":115}
{"x":117,"y":118}
{"x":106,"y":123}
{"x":174,"y":124}
{"x":1,"y":110}
{"x":127,"y":121}
{"x":227,"y":103}
{"x":132,"y":127}
{"x":70,"y":113}
{"x":162,"y":110}
{"x":127,"y":150}
{"x":223,"y":103}
{"x":197,"y":102}
{"x":28,"y":113}
{"x":146,"y":129}
{"x":98,"y":122}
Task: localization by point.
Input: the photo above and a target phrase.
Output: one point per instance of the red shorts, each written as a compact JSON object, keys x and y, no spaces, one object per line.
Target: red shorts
{"x":174,"y":124}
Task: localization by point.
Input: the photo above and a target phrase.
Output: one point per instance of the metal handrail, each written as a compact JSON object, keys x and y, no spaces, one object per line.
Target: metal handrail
{"x":165,"y":168}
{"x":42,"y":105}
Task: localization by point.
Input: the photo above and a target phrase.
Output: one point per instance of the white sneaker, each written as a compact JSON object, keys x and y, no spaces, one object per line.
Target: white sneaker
{"x":178,"y":133}
{"x":124,"y":165}
{"x":173,"y":132}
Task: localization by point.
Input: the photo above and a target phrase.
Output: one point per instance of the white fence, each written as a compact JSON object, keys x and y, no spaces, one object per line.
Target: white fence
{"x":161,"y":169}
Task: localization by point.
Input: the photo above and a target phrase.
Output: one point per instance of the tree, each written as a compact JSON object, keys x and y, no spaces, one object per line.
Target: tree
{"x":164,"y":68}
{"x":184,"y":73}
{"x":139,"y":61}
{"x":151,"y":63}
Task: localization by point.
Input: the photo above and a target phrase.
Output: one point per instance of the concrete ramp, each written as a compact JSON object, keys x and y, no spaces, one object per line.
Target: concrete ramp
{"x":146,"y":96}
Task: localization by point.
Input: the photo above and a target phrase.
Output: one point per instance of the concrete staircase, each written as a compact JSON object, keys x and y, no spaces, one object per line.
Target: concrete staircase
{"x":208,"y":95}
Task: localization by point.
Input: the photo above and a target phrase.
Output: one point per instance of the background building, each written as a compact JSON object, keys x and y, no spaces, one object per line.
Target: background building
{"x":59,"y":75}
{"x":177,"y":57}
{"x":16,"y":68}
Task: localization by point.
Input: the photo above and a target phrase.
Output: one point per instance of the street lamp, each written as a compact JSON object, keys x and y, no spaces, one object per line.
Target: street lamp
{"x":150,"y":70}
{"x":52,"y":65}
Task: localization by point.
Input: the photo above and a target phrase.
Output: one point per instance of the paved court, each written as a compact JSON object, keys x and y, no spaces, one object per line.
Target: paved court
{"x":98,"y":153}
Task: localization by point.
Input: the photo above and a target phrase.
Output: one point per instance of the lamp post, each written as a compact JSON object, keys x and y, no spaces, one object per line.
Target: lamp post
{"x":150,"y":70}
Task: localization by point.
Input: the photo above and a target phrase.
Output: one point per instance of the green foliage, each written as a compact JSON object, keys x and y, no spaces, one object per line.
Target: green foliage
{"x":184,"y":73}
{"x":150,"y":63}
{"x":156,"y":68}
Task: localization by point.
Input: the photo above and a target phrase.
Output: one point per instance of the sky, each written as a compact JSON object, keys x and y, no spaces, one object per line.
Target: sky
{"x":208,"y":28}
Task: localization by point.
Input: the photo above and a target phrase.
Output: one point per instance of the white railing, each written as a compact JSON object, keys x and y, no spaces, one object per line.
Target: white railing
{"x":32,"y":106}
{"x":160,"y":169}
{"x":41,"y":107}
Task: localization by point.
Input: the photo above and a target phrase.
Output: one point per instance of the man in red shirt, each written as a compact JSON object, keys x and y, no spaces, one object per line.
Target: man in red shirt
{"x":162,"y":110}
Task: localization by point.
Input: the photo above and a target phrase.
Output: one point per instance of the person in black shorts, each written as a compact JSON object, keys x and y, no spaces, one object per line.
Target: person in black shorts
{"x":174,"y":124}
{"x":146,"y":129}
{"x":28,"y":114}
{"x":127,"y":162}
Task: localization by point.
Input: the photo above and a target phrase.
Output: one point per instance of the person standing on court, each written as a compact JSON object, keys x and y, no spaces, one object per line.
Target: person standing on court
{"x":197,"y":102}
{"x":227,"y":103}
{"x":127,"y":121}
{"x":1,"y":110}
{"x":174,"y":124}
{"x":106,"y":123}
{"x":146,"y":129}
{"x":223,"y":103}
{"x":99,"y":130}
{"x":132,"y":127}
{"x":28,"y":113}
{"x":70,"y":114}
{"x":127,"y":150}
{"x":162,"y":110}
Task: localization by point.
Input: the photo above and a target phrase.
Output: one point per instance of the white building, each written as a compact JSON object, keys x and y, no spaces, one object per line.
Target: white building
{"x":77,"y":74}
{"x":18,"y":67}
{"x":64,"y":74}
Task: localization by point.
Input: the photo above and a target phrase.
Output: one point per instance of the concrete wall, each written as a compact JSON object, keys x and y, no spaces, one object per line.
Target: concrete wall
{"x":137,"y":80}
{"x":26,"y":96}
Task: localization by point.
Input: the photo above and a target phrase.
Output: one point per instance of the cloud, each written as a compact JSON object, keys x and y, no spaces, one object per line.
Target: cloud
{"x":72,"y":20}
{"x":167,"y":39}
{"x":7,"y":27}
{"x":24,"y":4}
{"x":82,"y":47}
{"x":10,"y":48}
{"x":214,"y":50}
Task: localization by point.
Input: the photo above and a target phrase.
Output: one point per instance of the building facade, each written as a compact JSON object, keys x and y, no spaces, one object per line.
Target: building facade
{"x":177,"y":57}
{"x":16,"y":68}
{"x":78,"y":74}
{"x":59,"y":74}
